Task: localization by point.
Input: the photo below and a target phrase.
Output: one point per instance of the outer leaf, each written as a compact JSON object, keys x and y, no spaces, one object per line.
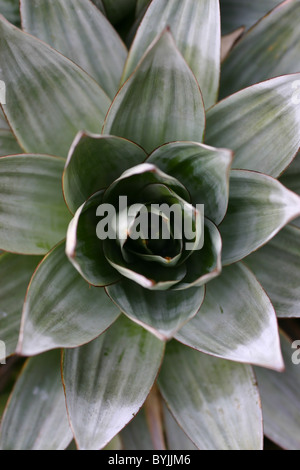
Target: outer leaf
{"x":161,"y":312}
{"x":246,"y":322}
{"x":280,"y":400}
{"x":161,"y":101}
{"x":261,"y":124}
{"x":15,"y":274}
{"x":35,"y":417}
{"x":216,"y":402}
{"x":271,"y":48}
{"x":85,"y":250}
{"x":94,"y":162}
{"x":61,"y":309}
{"x":107,"y":381}
{"x":203,"y":170}
{"x":3,"y":121}
{"x":33,"y":215}
{"x":259,"y":207}
{"x":236,"y":13}
{"x":8,"y":143}
{"x":81,"y":32}
{"x":196,"y":28}
{"x":176,"y":438}
{"x":49,"y":98}
{"x":10,"y":9}
{"x":276,"y":265}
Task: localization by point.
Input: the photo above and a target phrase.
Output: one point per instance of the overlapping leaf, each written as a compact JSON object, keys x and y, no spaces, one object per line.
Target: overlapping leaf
{"x":161,"y":102}
{"x":33,"y":214}
{"x":36,"y":417}
{"x":216,"y":402}
{"x":107,"y":381}
{"x":81,"y":32}
{"x":236,"y":321}
{"x":196,"y":29}
{"x":49,"y":98}
{"x":61,"y":309}
{"x":261,"y":124}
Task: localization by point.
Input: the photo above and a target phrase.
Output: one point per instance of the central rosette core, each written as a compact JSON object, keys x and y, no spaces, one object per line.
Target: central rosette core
{"x":147,"y":224}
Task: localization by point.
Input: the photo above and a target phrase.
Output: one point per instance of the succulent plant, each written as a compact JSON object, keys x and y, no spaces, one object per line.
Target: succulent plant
{"x":158,"y":333}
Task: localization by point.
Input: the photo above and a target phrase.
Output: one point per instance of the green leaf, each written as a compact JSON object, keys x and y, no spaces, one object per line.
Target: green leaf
{"x":161,"y":102}
{"x":205,"y":264}
{"x":247,"y":327}
{"x":61,"y":309}
{"x":261,"y":124}
{"x":11,"y":10}
{"x":117,"y":10}
{"x":33,"y":214}
{"x":141,"y":5}
{"x":259,"y":207}
{"x":49,"y":98}
{"x":176,"y":438}
{"x":15,"y":274}
{"x":236,"y":13}
{"x":203,"y":170}
{"x":8,"y":143}
{"x":162,"y":313}
{"x":136,"y":435}
{"x":94,"y":162}
{"x":215,"y":402}
{"x":99,"y":5}
{"x":3,"y":121}
{"x":85,"y":250}
{"x":81,"y":32}
{"x":35,"y":417}
{"x":280,"y":399}
{"x":107,"y":381}
{"x":195,"y":26}
{"x":276,"y":266}
{"x":271,"y":48}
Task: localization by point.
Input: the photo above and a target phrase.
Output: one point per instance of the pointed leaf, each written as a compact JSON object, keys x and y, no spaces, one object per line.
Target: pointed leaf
{"x":215,"y":402}
{"x":247,"y":328}
{"x":259,"y":207}
{"x":161,"y":312}
{"x":271,"y":48}
{"x":203,"y":170}
{"x":36,"y":417}
{"x":261,"y":124}
{"x":196,"y":29}
{"x":3,"y":121}
{"x":276,"y":266}
{"x":107,"y":381}
{"x":85,"y":250}
{"x":236,"y":13}
{"x":48,"y":98}
{"x":8,"y":143}
{"x":33,"y":214}
{"x":141,"y":5}
{"x":99,"y":5}
{"x":291,"y":176}
{"x":228,"y":41}
{"x":94,"y":162}
{"x":161,"y":102}
{"x":280,"y":399}
{"x":81,"y":32}
{"x":15,"y":274}
{"x":75,"y":315}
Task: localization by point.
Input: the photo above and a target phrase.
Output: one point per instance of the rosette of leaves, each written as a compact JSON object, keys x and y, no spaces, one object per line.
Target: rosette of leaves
{"x":143,"y":320}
